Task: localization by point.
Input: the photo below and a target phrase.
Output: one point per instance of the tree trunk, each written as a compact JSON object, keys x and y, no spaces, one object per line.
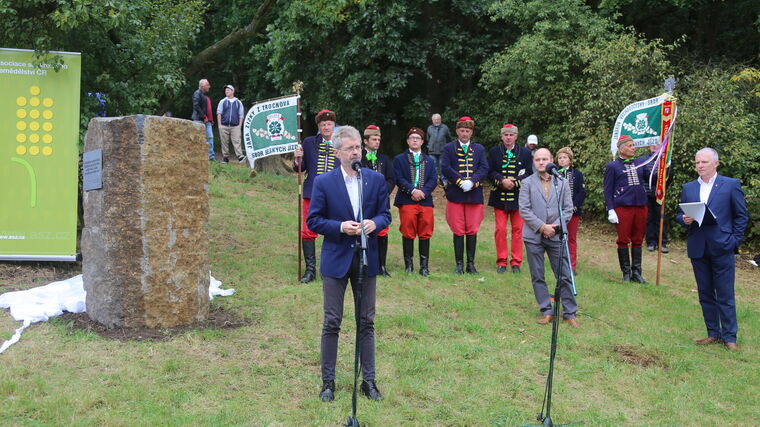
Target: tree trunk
{"x":275,"y":165}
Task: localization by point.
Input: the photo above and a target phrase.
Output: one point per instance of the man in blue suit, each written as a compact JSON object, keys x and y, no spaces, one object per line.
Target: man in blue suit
{"x":712,"y":245}
{"x":334,"y":213}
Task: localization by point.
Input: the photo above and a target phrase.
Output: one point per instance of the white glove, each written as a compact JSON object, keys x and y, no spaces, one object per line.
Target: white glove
{"x":612,"y":217}
{"x":466,"y":185}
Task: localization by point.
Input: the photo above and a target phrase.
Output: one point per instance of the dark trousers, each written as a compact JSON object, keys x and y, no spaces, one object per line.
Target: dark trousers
{"x":653,"y":223}
{"x":333,"y":292}
{"x":715,"y":284}
{"x":535,"y":254}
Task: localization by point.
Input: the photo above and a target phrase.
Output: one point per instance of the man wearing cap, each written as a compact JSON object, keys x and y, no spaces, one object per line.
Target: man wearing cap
{"x":538,"y":207}
{"x":465,"y":167}
{"x":438,"y":135}
{"x":509,"y":164}
{"x":315,"y":157}
{"x":229,"y":115}
{"x":373,"y":159}
{"x":202,"y":113}
{"x":532,"y":144}
{"x":626,"y":202}
{"x":416,"y":179}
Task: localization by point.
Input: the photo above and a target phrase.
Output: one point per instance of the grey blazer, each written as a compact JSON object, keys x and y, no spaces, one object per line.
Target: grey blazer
{"x":536,"y":209}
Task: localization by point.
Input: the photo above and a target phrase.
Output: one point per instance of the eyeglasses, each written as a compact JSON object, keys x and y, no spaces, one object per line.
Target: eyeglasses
{"x":414,"y":138}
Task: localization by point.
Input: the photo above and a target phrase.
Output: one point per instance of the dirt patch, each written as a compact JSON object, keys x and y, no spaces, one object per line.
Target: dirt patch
{"x":219,"y":319}
{"x":19,"y":275}
{"x":638,"y":357}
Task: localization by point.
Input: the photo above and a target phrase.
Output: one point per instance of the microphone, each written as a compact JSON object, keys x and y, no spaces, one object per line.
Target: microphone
{"x":356,"y":165}
{"x":553,"y":169}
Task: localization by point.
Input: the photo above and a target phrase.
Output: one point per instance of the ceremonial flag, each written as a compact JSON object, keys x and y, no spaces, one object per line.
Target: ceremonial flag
{"x":642,"y":121}
{"x":39,"y":155}
{"x":668,"y":120}
{"x":271,"y":127}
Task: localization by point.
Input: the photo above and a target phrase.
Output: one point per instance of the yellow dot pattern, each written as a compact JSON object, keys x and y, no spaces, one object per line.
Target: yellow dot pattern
{"x":34,"y":113}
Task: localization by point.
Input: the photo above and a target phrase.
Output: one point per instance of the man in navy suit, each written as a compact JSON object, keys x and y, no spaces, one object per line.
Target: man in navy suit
{"x":712,"y":245}
{"x":334,"y":212}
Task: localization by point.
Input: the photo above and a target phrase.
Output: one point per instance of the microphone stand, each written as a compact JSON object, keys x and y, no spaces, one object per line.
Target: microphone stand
{"x":546,"y":406}
{"x":352,"y":420}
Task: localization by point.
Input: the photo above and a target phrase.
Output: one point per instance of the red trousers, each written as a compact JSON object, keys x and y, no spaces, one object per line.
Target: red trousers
{"x":464,"y":218}
{"x":416,"y":220}
{"x":631,"y":226}
{"x":572,"y":235}
{"x":307,"y":234}
{"x":500,"y":236}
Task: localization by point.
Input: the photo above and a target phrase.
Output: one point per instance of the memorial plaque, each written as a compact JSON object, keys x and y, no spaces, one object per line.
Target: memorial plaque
{"x":92,"y":170}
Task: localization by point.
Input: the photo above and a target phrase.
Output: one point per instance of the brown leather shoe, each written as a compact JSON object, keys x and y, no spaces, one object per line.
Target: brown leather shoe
{"x":708,"y":340}
{"x":731,"y":346}
{"x":572,"y":322}
{"x":545,"y":320}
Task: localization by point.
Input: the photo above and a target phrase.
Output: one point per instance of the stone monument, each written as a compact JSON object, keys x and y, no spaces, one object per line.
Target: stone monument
{"x":145,"y":240}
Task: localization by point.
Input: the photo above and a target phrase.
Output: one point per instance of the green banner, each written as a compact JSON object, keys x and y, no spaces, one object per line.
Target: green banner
{"x":39,"y":154}
{"x":642,"y":121}
{"x":271,"y":127}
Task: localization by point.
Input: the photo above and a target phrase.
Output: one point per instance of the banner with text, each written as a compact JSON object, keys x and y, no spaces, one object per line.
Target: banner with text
{"x":39,"y":154}
{"x":271,"y":127}
{"x":642,"y":121}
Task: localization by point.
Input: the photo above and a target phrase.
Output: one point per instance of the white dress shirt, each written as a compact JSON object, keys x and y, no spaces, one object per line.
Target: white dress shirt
{"x":352,"y":186}
{"x":705,"y":188}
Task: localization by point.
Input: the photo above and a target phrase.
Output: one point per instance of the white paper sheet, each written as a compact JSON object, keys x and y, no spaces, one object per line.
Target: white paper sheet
{"x":695,"y":210}
{"x":43,"y":302}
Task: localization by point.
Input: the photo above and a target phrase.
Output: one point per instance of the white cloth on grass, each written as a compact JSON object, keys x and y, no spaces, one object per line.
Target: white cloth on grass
{"x":43,"y":302}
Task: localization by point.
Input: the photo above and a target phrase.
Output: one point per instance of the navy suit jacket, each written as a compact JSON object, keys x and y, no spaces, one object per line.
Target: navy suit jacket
{"x":330,"y":206}
{"x":727,"y":204}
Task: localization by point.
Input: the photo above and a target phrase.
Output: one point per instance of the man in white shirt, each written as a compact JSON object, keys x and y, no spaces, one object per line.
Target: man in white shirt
{"x":711,"y":246}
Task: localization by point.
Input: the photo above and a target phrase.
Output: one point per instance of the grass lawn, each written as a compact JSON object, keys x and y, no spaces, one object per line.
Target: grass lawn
{"x":451,"y":350}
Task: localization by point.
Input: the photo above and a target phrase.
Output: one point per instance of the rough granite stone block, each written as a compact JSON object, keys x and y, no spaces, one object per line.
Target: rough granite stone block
{"x":145,"y":240}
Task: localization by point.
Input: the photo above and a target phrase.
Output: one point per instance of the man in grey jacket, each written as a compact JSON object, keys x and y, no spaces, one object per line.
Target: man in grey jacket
{"x":538,"y":208}
{"x":437,"y":136}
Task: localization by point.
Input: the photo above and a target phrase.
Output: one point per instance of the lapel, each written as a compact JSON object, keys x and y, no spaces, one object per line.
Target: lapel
{"x":343,"y":192}
{"x":714,"y":190}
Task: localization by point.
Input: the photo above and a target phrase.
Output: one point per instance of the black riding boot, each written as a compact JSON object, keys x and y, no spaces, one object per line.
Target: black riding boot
{"x":459,"y":254}
{"x":472,"y":242}
{"x":408,"y":245}
{"x":310,"y":258}
{"x":636,"y":265}
{"x":382,"y":244}
{"x":625,"y":263}
{"x":424,"y":255}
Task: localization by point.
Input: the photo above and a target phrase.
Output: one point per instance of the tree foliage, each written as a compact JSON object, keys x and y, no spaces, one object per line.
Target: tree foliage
{"x":561,"y":69}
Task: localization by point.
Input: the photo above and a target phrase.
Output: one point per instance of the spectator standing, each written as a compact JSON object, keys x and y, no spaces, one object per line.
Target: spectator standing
{"x":229,"y":114}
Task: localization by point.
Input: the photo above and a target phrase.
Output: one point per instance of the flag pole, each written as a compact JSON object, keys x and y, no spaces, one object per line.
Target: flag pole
{"x":297,"y":86}
{"x":663,"y":175}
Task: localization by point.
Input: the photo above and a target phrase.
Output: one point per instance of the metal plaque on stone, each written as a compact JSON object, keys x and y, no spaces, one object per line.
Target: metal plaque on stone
{"x":670,"y":84}
{"x":92,"y":170}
